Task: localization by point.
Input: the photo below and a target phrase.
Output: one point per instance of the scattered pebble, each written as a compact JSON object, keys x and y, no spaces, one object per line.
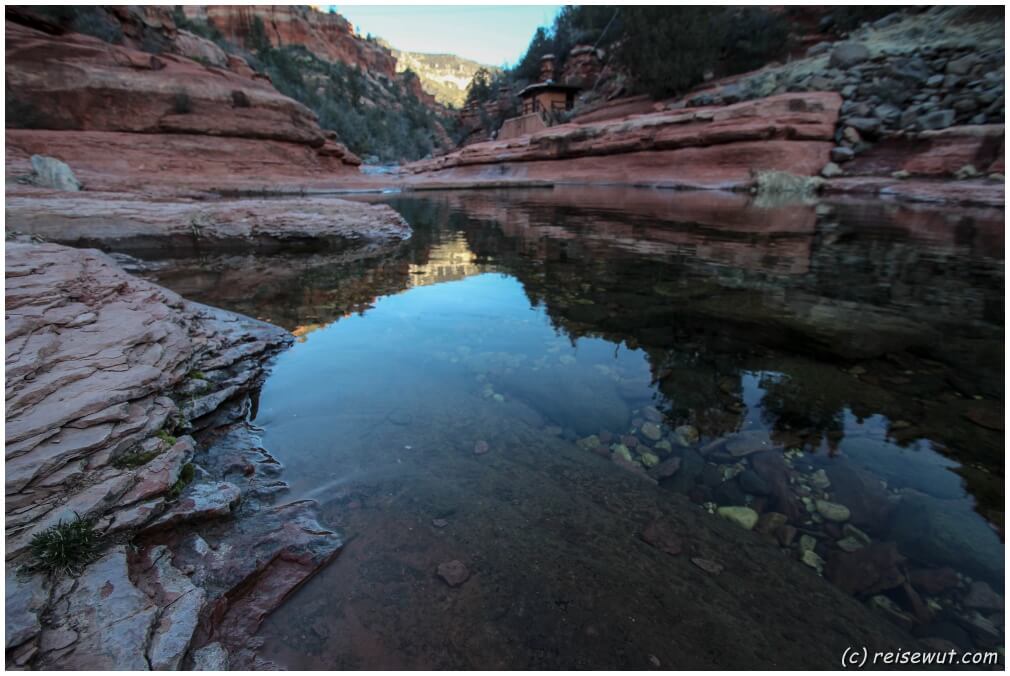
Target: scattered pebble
{"x":745,"y":517}
{"x":651,"y":431}
{"x":439,"y":523}
{"x":481,"y":447}
{"x":453,"y":572}
{"x":708,"y":565}
{"x":832,"y":511}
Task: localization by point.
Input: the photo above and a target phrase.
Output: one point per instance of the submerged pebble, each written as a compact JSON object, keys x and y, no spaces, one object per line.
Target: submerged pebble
{"x":832,"y":511}
{"x":745,"y":517}
{"x":453,"y":572}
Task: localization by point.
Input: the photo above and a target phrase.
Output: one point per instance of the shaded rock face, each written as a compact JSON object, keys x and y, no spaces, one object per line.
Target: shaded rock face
{"x":689,"y":147}
{"x":92,"y":355}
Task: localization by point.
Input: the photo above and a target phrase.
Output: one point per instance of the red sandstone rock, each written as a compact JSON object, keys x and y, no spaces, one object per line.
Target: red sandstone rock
{"x":110,"y":219}
{"x":713,"y":147}
{"x":933,"y":154}
{"x":74,"y":81}
{"x":326,"y":34}
{"x":170,"y":163}
{"x":983,"y":192}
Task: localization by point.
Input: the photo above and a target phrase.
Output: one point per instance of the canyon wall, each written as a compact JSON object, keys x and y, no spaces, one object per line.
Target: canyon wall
{"x":328,"y":35}
{"x":127,"y":118}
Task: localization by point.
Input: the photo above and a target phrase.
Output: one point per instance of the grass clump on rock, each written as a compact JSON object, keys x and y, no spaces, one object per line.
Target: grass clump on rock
{"x":65,"y":547}
{"x":186,"y":476}
{"x":135,"y":459}
{"x":166,"y":437}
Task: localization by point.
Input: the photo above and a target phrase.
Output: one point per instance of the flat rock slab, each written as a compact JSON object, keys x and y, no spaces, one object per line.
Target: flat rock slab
{"x":91,"y":352}
{"x":201,"y":502}
{"x":125,"y":222}
{"x":107,"y":622}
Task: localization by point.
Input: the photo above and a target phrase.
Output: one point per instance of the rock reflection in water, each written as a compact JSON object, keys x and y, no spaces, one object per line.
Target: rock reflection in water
{"x":829,"y":376}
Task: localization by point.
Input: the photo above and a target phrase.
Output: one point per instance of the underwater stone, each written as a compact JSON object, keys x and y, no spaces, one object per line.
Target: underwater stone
{"x":745,"y":517}
{"x":832,"y":511}
{"x":686,"y":435}
{"x":453,"y":572}
{"x":621,"y":451}
{"x":651,"y":431}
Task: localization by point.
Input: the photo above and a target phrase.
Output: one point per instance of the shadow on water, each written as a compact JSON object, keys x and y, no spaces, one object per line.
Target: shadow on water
{"x":840,"y":365}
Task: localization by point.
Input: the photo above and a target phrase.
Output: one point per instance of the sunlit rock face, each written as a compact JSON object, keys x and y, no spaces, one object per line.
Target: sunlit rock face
{"x":328,"y":35}
{"x":128,"y":119}
{"x":709,"y":148}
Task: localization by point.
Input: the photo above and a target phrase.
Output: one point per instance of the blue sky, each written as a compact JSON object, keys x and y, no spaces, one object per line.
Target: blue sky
{"x":489,"y":34}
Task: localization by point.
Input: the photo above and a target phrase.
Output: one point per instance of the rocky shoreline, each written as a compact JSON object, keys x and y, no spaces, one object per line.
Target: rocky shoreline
{"x":126,"y":409}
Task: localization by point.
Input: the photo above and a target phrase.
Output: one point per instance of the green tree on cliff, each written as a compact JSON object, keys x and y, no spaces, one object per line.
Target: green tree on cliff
{"x":479,"y":89}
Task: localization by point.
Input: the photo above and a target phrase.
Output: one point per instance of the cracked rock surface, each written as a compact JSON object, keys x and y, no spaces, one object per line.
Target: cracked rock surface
{"x":125,"y":405}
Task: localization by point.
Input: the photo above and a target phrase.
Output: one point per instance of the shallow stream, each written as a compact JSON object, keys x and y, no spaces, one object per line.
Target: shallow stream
{"x":510,"y":388}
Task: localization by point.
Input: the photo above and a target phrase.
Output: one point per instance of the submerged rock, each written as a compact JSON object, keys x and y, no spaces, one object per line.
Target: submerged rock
{"x":651,"y":431}
{"x":947,"y":533}
{"x":686,"y":435}
{"x":661,"y":535}
{"x":745,"y":517}
{"x":869,"y":570}
{"x":575,"y":398}
{"x":453,"y":572}
{"x":708,"y":565}
{"x":832,"y":511}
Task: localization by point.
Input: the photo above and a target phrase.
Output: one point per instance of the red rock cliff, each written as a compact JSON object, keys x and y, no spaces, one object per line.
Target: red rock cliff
{"x":327,"y":35}
{"x":127,"y":118}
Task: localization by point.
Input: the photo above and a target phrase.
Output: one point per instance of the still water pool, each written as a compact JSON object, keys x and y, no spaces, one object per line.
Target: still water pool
{"x":587,"y":397}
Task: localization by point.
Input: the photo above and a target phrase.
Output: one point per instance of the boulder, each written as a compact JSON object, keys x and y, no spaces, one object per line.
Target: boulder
{"x":50,"y":172}
{"x":844,"y":55}
{"x":938,"y":119}
{"x":842,"y":154}
{"x":831,"y":170}
{"x":867,"y":501}
{"x":872,"y":569}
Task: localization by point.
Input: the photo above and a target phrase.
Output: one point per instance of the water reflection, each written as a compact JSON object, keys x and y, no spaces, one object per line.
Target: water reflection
{"x":835,"y":368}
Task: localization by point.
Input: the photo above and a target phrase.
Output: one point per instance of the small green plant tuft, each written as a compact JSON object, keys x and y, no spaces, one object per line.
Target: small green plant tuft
{"x":135,"y":459}
{"x":198,"y":375}
{"x":186,"y":476}
{"x":65,"y":547}
{"x":166,"y":437}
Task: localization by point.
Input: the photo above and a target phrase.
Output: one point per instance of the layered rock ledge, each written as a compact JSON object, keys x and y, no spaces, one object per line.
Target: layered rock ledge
{"x":126,"y":406}
{"x":129,"y":223}
{"x":687,"y":148}
{"x":187,"y":117}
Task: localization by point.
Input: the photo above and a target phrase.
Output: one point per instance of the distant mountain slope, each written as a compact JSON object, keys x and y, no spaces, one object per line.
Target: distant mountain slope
{"x":445,"y":76}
